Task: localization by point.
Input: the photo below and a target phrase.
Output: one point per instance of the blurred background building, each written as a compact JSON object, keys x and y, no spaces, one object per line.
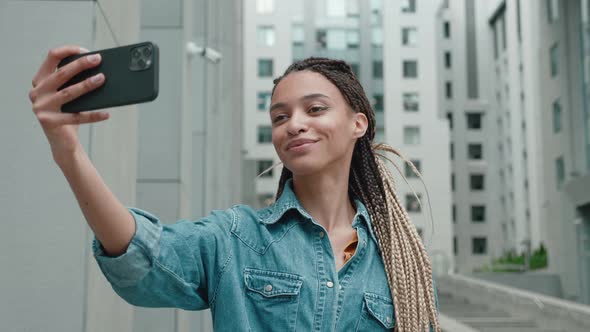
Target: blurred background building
{"x":489,"y":99}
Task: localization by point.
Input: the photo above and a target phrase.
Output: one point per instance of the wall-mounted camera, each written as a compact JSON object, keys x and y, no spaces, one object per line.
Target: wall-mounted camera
{"x":208,"y":53}
{"x":141,"y":58}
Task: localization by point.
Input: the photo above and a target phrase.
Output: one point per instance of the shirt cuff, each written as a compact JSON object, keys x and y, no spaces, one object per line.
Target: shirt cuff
{"x":130,"y":267}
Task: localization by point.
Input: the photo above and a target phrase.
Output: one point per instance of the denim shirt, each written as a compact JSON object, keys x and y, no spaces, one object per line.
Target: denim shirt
{"x":271,"y":269}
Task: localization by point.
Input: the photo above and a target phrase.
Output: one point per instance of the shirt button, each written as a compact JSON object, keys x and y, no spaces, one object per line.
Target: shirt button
{"x":388,"y":320}
{"x":268,"y":288}
{"x":330,"y":284}
{"x":322,"y":235}
{"x":339,"y":286}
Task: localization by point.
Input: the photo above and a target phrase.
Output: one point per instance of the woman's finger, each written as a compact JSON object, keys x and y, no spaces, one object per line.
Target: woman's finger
{"x":53,"y":119}
{"x":54,"y":56}
{"x":74,"y":91}
{"x":65,"y":73}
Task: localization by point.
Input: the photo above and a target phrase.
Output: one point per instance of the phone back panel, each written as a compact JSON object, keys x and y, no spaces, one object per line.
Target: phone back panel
{"x":122,"y":86}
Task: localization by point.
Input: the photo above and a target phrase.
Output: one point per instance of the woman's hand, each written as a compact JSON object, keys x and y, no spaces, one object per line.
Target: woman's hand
{"x":60,"y":128}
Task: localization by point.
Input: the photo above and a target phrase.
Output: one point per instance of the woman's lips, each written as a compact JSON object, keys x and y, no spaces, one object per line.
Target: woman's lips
{"x":300,"y":145}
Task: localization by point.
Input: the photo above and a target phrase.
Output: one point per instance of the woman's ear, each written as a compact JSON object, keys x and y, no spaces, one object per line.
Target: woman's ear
{"x":360,"y":124}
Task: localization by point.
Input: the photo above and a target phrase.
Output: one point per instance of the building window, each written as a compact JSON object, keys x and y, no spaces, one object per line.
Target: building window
{"x":452,"y":152}
{"x":455,"y":246}
{"x":265,"y":68}
{"x":479,"y":245}
{"x":408,"y":170}
{"x":321,"y":39}
{"x":380,"y":135}
{"x":412,"y":204}
{"x":412,"y":135}
{"x":377,"y":69}
{"x":475,"y":151}
{"x":378,"y":102}
{"x":411,"y":102}
{"x":559,"y":172}
{"x":476,"y":182}
{"x":264,"y":6}
{"x":409,"y":36}
{"x":420,"y":233}
{"x":298,"y":35}
{"x":264,"y":101}
{"x":376,"y":6}
{"x":450,"y":118}
{"x":454,"y":214}
{"x":264,"y":134}
{"x":263,"y":165}
{"x":478,"y":213}
{"x":448,"y":89}
{"x":355,"y":69}
{"x":557,"y":116}
{"x":377,"y":37}
{"x":408,"y":6}
{"x":335,"y":8}
{"x":452,"y":181}
{"x":448,"y":60}
{"x":410,"y":68}
{"x":352,"y":38}
{"x":554,"y":61}
{"x":266,"y":35}
{"x":552,"y":10}
{"x":474,"y":121}
{"x":447,"y":29}
{"x":336,"y":39}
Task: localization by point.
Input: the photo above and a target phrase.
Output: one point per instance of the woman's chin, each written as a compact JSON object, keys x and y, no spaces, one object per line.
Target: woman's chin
{"x":302,"y":168}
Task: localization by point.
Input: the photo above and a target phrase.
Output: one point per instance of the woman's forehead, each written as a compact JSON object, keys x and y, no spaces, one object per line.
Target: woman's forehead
{"x":296,"y":85}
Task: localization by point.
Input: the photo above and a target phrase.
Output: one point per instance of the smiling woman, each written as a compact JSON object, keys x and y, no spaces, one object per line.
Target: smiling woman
{"x":335,"y":251}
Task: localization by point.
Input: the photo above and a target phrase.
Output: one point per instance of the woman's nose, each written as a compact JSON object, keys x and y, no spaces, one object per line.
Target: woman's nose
{"x":297,"y":123}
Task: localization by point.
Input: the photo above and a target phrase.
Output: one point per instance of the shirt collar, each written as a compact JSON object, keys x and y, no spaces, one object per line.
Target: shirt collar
{"x":288,"y":201}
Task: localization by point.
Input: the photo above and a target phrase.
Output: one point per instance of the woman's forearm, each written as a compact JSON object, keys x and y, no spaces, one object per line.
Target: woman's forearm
{"x":110,"y":221}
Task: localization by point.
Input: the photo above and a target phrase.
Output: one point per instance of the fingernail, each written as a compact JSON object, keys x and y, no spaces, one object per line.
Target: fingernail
{"x":83,"y":50}
{"x":96,"y":78}
{"x":94,"y":58}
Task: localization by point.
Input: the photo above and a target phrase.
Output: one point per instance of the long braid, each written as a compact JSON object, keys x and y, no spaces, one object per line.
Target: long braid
{"x":406,"y":261}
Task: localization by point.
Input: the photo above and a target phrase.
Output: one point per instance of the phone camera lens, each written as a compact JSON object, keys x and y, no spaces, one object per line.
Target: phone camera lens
{"x":136,"y":54}
{"x":141,"y":63}
{"x":147,"y":52}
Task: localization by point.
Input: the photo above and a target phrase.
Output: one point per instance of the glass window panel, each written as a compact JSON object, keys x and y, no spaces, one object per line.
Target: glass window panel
{"x":410,"y":68}
{"x":264,"y":101}
{"x":264,"y":6}
{"x":336,"y":39}
{"x":409,"y":36}
{"x":263,"y":165}
{"x":265,"y":68}
{"x":264,"y":134}
{"x":266,"y":36}
{"x":412,"y":204}
{"x":408,"y":6}
{"x":411,"y":102}
{"x":411,"y":135}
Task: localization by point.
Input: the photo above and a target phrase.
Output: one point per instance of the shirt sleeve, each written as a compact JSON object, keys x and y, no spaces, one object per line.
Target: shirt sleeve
{"x":169,"y":265}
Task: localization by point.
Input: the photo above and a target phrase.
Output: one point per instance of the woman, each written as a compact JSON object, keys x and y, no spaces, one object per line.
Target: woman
{"x":335,"y":251}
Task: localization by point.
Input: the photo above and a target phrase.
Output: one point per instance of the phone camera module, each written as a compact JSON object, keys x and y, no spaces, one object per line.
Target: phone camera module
{"x":147,"y":51}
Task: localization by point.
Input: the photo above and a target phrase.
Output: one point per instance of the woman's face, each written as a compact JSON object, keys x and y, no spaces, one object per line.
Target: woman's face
{"x":313,"y":128}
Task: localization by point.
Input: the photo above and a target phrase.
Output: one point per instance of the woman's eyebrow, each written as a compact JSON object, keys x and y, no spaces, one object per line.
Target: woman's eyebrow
{"x":310,"y":96}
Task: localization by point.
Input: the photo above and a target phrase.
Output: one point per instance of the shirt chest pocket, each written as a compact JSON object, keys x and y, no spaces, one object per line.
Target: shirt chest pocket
{"x":271,"y":299}
{"x":377,"y":313}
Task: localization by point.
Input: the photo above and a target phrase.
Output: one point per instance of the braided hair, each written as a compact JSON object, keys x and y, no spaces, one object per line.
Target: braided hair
{"x":407,"y":265}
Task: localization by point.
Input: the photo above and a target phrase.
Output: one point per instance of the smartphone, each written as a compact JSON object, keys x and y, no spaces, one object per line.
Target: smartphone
{"x":131,"y":77}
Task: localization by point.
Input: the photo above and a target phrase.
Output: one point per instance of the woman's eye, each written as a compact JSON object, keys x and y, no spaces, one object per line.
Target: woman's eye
{"x":279,"y":118}
{"x":315,"y":109}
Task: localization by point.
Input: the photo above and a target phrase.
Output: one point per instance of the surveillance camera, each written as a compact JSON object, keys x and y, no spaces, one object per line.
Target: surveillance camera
{"x":212,"y":55}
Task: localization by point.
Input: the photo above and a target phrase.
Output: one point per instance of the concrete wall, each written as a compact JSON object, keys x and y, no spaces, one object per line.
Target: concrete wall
{"x":178,"y":157}
{"x":49,"y":279}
